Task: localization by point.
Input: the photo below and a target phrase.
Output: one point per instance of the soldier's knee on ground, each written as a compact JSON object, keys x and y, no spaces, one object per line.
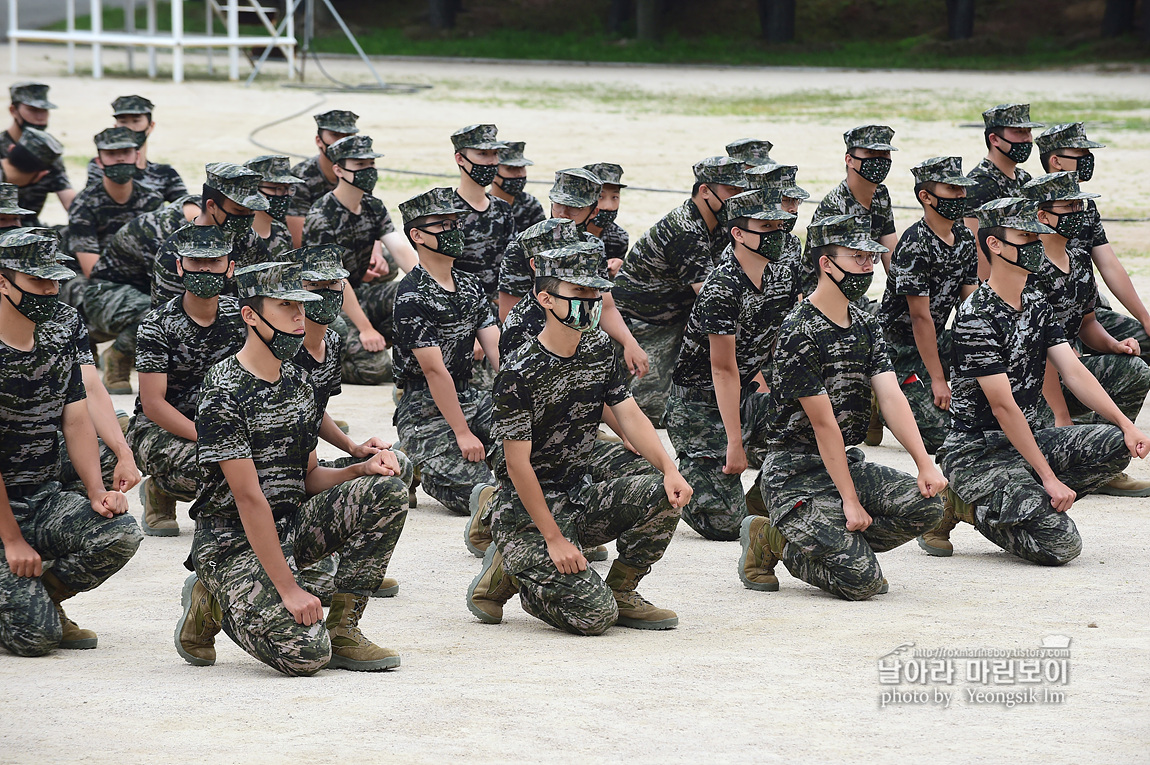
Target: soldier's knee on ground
{"x":862,"y":589}
{"x":31,"y":638}
{"x":306,"y":661}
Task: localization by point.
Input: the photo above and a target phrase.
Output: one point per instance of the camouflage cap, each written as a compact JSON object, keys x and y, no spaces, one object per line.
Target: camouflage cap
{"x":844,"y":230}
{"x":320,"y":262}
{"x":550,"y":234}
{"x":575,"y":263}
{"x":1011,"y":212}
{"x":1055,"y":187}
{"x":512,"y":155}
{"x":278,"y":280}
{"x":132,"y":105}
{"x":273,"y":168}
{"x":1009,"y":115}
{"x":27,"y":252}
{"x":477,"y":137}
{"x":8,"y":201}
{"x":34,"y":94}
{"x":111,"y":139}
{"x":941,"y":170}
{"x":607,"y":172}
{"x":193,"y":241}
{"x":352,"y":147}
{"x":237,"y":183}
{"x":337,"y":121}
{"x":1068,"y":135}
{"x":723,"y":170}
{"x":751,"y":151}
{"x":873,"y":137}
{"x":575,"y":187}
{"x":780,"y":177}
{"x":439,"y":201}
{"x":43,"y":147}
{"x":758,"y":204}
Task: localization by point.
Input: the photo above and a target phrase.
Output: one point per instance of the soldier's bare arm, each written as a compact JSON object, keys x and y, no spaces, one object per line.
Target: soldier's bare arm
{"x":442,"y":388}
{"x":1090,"y":392}
{"x":401,"y":249}
{"x":320,"y":479}
{"x":612,"y":323}
{"x":84,"y":451}
{"x":1052,"y":392}
{"x":66,"y":196}
{"x":488,"y":339}
{"x":21,"y":558}
{"x":1095,"y":336}
{"x":833,"y":451}
{"x":260,"y":528}
{"x":926,"y":340}
{"x":506,"y":303}
{"x":900,"y":419}
{"x":371,"y":339}
{"x":103,"y":414}
{"x":153,"y":392}
{"x":1118,"y":280}
{"x":725,"y":374}
{"x":294,"y":224}
{"x":641,"y":433}
{"x":331,"y":433}
{"x":567,"y":557}
{"x":890,"y":241}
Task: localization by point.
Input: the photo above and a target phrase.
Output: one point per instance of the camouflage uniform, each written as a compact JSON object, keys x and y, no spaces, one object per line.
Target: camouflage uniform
{"x":728,"y":304}
{"x":315,"y":184}
{"x":653,"y":287}
{"x":46,"y":151}
{"x":164,"y":179}
{"x":616,"y":241}
{"x":427,"y":316}
{"x":84,"y":548}
{"x":992,"y":184}
{"x":783,"y":178}
{"x":752,"y":152}
{"x":526,"y":210}
{"x":486,"y":234}
{"x":557,"y":404}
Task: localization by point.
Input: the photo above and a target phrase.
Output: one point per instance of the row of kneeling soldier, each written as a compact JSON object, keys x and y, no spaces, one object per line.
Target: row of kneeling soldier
{"x":511,"y":337}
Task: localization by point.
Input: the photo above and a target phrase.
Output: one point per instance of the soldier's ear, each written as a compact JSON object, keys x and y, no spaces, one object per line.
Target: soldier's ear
{"x":231,"y":268}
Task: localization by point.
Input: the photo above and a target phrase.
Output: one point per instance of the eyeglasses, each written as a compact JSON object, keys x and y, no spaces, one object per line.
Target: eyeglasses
{"x":445,"y":225}
{"x":860,"y":258}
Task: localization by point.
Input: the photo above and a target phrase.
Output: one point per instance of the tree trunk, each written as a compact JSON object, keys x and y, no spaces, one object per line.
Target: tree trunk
{"x":618,"y":15}
{"x":648,"y":18}
{"x":960,"y":19}
{"x":1146,"y":21}
{"x":777,"y":20}
{"x":1118,"y":18}
{"x":442,"y":13}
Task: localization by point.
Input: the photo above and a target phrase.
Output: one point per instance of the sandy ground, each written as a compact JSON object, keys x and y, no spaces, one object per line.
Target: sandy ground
{"x":787,"y":676}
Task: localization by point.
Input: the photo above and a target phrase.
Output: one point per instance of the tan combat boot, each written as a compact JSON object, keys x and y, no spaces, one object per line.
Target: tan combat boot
{"x":199,"y":624}
{"x":117,"y":371}
{"x":491,"y":589}
{"x":1123,"y":485}
{"x":635,"y":611}
{"x":73,"y":636}
{"x":159,"y":518}
{"x":412,"y":500}
{"x":874,"y":431}
{"x":350,"y":649}
{"x":937,"y":541}
{"x":599,"y":552}
{"x":762,"y":548}
{"x":755,"y":503}
{"x":477,"y":533}
{"x":388,"y":588}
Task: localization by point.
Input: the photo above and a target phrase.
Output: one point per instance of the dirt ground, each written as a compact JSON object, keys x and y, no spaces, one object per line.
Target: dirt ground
{"x":787,"y":676}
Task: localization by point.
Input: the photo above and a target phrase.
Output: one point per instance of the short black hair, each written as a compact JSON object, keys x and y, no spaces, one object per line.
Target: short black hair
{"x":818,"y":252}
{"x":997,"y":130}
{"x":1044,"y":158}
{"x":998,"y":232}
{"x":214,"y":194}
{"x":255,"y":302}
{"x":737,"y":223}
{"x":930,"y":186}
{"x":548,"y":284}
{"x":697,"y":186}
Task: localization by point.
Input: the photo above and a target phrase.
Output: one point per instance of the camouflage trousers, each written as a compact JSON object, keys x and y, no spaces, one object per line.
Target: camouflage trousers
{"x":695,"y":428}
{"x":430,"y":443}
{"x":933,"y":423}
{"x":114,"y":311}
{"x":72,"y":291}
{"x":167,"y":458}
{"x":634,"y":511}
{"x":84,"y":549}
{"x":1125,"y":378}
{"x":806,"y":507}
{"x":361,"y":519}
{"x":1011,"y":508}
{"x":361,"y":366}
{"x":1121,"y":326}
{"x":662,"y":343}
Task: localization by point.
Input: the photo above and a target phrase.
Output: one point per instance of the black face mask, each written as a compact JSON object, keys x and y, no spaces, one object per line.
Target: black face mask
{"x":141,"y":136}
{"x":278,"y":207}
{"x":512,"y":185}
{"x":483,"y":175}
{"x":720,"y":216}
{"x":236,"y":224}
{"x":951,"y":209}
{"x":1019,"y":151}
{"x":324,"y":311}
{"x":605,"y":218}
{"x":1084,"y":166}
{"x":283,"y":345}
{"x":363,"y":179}
{"x":853,"y":286}
{"x":770,"y":243}
{"x":204,"y":284}
{"x":34,"y":307}
{"x":1070,"y":224}
{"x":873,"y":169}
{"x":23,"y":123}
{"x":1029,"y":256}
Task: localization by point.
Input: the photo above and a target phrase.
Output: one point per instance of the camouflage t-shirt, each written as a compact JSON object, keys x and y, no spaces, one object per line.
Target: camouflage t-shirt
{"x":325,"y":376}
{"x":129,"y":256}
{"x":314,"y":186}
{"x":169,"y":342}
{"x":329,"y":221}
{"x":992,"y":184}
{"x":1093,"y":233}
{"x":240,"y":417}
{"x":527,"y":211}
{"x":524,"y":322}
{"x":515,"y":274}
{"x":815,"y":357}
{"x":163,"y":178}
{"x":1071,"y":294}
{"x":247,"y":249}
{"x":923,"y":265}
{"x":556,"y":403}
{"x":654,"y":283}
{"x":730,"y":304}
{"x":485,"y":238}
{"x":794,"y":254}
{"x":33,"y":196}
{"x":94,"y":217}
{"x":991,"y":338}
{"x":278,"y":242}
{"x":840,"y":201}
{"x":615,"y":240}
{"x":428,"y":316}
{"x":35,"y":386}
{"x":67,"y":323}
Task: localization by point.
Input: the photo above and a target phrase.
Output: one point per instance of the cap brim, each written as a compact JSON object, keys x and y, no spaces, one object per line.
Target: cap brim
{"x":17,"y":210}
{"x":341,"y":129}
{"x":484,"y":145}
{"x":39,"y":104}
{"x":55,"y":271}
{"x":324,"y":274}
{"x":291,"y":179}
{"x":957,"y":180}
{"x":115,"y":146}
{"x":1076,"y":196}
{"x":255,"y":202}
{"x":299,"y":296}
{"x":1034,"y":227}
{"x":794,"y":192}
{"x":594,"y":282}
{"x":522,"y":162}
{"x":571,"y":201}
{"x":863,"y":245}
{"x":362,"y":155}
{"x":123,"y":112}
{"x":202,"y":253}
{"x":1079,"y":143}
{"x":874,"y":146}
{"x":773,"y":214}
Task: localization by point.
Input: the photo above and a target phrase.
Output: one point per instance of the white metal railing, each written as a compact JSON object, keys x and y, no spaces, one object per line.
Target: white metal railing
{"x":282,"y":37}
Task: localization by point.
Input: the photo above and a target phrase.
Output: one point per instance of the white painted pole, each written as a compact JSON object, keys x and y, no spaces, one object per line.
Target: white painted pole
{"x":70,"y":25}
{"x":290,"y":7}
{"x":178,"y":42}
{"x":233,"y":40}
{"x":130,"y":26}
{"x":12,"y":43}
{"x":97,"y":10}
{"x":209,"y":25}
{"x":152,"y":32}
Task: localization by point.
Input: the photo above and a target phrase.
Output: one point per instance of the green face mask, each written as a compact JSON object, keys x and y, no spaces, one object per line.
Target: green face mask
{"x":278,"y":207}
{"x":853,"y":286}
{"x":448,"y":243}
{"x":364,"y":179}
{"x":204,"y":284}
{"x":324,"y":311}
{"x":141,"y":136}
{"x":122,"y":173}
{"x":1070,"y":224}
{"x":770,"y":244}
{"x":33,"y":307}
{"x":283,"y":345}
{"x":951,"y":209}
{"x":1019,"y":150}
{"x":237,"y":224}
{"x":1030,"y":256}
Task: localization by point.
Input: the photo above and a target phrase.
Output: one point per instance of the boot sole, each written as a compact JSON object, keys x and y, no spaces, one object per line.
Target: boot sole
{"x":938,"y":552}
{"x":480,"y":614}
{"x":186,"y":602}
{"x":151,"y":532}
{"x":745,"y":542}
{"x":79,"y":645}
{"x":473,"y":505}
{"x":642,"y":624}
{"x":1124,"y":492}
{"x":596,"y":555}
{"x":378,"y":665}
{"x":385,"y":592}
